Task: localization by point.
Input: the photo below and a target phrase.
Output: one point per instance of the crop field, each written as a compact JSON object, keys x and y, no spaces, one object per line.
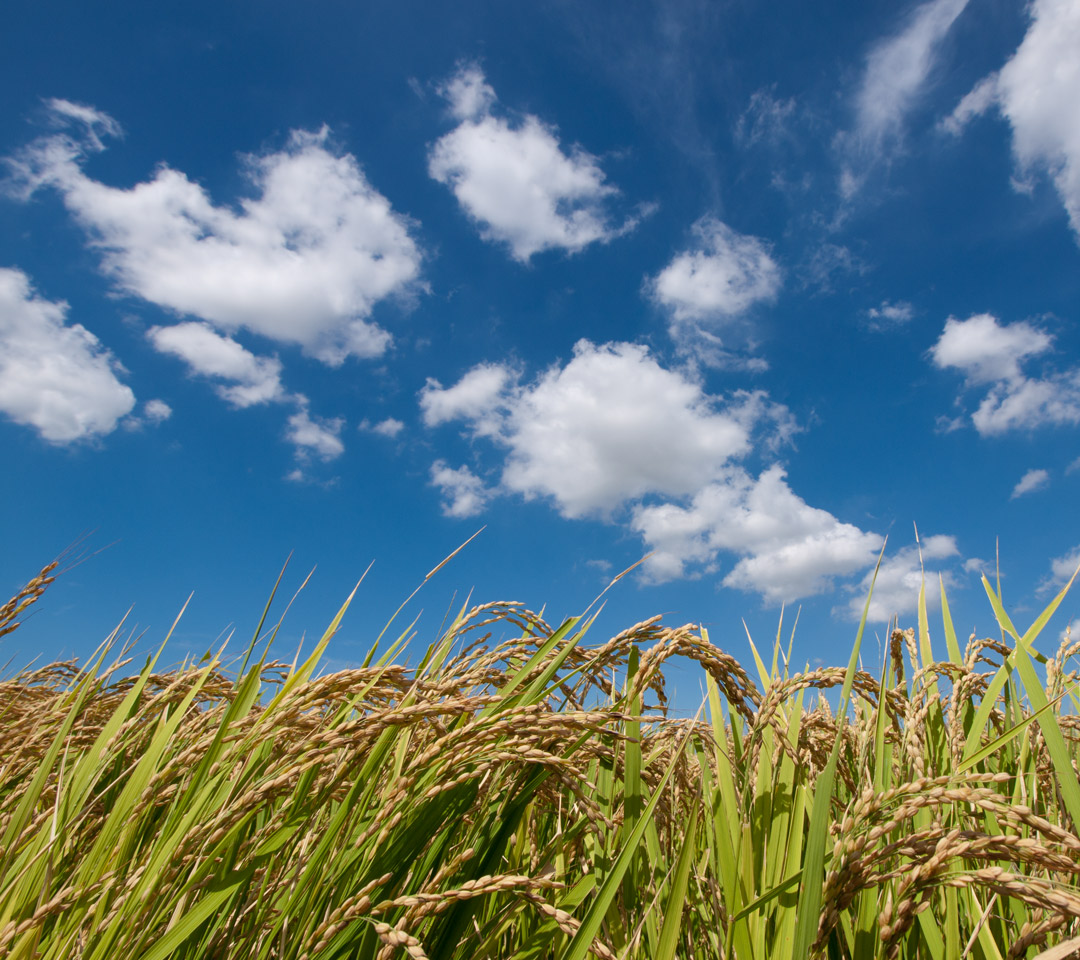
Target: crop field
{"x":519,"y":791}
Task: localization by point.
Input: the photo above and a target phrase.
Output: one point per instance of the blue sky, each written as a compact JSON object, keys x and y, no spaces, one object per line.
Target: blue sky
{"x":744,"y":287}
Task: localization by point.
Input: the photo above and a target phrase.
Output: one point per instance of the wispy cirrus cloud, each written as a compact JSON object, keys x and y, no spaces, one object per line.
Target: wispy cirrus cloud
{"x":896,"y":74}
{"x":1030,"y":482}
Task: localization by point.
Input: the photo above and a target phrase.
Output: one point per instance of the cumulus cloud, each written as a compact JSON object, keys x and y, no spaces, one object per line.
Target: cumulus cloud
{"x":1030,"y":482}
{"x":1024,"y":405}
{"x":1037,"y":92}
{"x":611,"y":425}
{"x":315,"y":436}
{"x":251,"y":379}
{"x":477,"y":398}
{"x":246,"y":380}
{"x":788,"y":549}
{"x":723,"y":274}
{"x":984,"y":350}
{"x":896,"y":590}
{"x":154,"y":412}
{"x":614,"y":434}
{"x":390,"y":427}
{"x":889,"y":316}
{"x":896,"y":73}
{"x":304,"y":261}
{"x":55,"y":377}
{"x":989,"y":353}
{"x":157,"y":411}
{"x":515,"y":179}
{"x":464,"y":493}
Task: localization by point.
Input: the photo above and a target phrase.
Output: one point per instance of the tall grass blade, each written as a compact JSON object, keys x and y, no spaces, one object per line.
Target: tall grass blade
{"x":810,"y":891}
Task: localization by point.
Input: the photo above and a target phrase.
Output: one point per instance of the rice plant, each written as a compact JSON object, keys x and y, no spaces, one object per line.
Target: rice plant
{"x":519,"y":793}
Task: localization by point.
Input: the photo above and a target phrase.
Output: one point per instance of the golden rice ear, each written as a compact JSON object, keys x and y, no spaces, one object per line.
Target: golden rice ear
{"x":1069,"y":950}
{"x":26,"y":596}
{"x":519,"y":793}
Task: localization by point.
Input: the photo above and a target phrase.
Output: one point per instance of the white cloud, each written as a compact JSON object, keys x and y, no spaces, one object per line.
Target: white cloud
{"x":974,"y":104}
{"x":828,"y":261}
{"x":251,"y":380}
{"x":469,"y":94}
{"x":157,"y":411}
{"x":1039,"y":89}
{"x":788,"y":549}
{"x":463,"y":492}
{"x":899,"y":579}
{"x":988,"y":353}
{"x":1037,"y":92}
{"x":767,"y":119}
{"x":945,"y":424}
{"x":724,"y":274}
{"x":984,"y":350}
{"x":94,"y":123}
{"x":896,"y":73}
{"x":1061,"y":569}
{"x":388,"y":427}
{"x":254,"y":379}
{"x":476,"y":397}
{"x":1030,"y":403}
{"x":515,"y":180}
{"x":889,"y":316}
{"x":55,"y":377}
{"x":154,"y":412}
{"x":315,"y":435}
{"x":609,"y":427}
{"x":612,"y":428}
{"x":1074,"y":466}
{"x":1030,"y":482}
{"x":304,"y":261}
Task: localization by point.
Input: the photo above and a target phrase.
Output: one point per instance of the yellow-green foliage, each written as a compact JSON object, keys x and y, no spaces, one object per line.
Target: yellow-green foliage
{"x":521,"y":795}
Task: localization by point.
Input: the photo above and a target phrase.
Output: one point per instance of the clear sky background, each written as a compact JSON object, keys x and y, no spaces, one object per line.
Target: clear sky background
{"x":748,"y":287}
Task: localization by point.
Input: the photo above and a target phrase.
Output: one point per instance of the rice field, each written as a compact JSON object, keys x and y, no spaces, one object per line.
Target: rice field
{"x":520,"y":791}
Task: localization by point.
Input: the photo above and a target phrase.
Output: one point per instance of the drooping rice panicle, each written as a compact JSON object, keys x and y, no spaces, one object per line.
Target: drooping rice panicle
{"x":521,"y":793}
